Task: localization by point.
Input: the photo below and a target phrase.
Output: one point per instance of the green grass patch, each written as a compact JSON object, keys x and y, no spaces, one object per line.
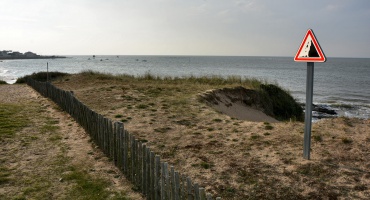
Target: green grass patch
{"x":317,"y":138}
{"x":118,"y":116}
{"x":88,"y":187}
{"x":142,"y":106}
{"x":255,"y":137}
{"x":205,"y":165}
{"x":4,"y":175}
{"x":49,"y":126}
{"x":12,"y":120}
{"x":217,"y":120}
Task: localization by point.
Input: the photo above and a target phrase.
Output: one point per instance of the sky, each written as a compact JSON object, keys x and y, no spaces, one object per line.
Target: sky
{"x":184,"y":27}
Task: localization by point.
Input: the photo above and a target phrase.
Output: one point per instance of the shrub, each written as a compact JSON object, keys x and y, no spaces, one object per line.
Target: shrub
{"x":42,"y":76}
{"x":281,"y":103}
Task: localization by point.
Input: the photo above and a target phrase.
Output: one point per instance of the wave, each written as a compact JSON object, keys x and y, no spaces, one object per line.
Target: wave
{"x":3,"y":72}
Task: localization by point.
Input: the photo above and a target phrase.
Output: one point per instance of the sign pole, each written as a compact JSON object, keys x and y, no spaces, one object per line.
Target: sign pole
{"x":308,"y":111}
{"x":309,"y":51}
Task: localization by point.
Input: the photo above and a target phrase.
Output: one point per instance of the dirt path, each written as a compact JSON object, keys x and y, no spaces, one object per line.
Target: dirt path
{"x":39,"y":151}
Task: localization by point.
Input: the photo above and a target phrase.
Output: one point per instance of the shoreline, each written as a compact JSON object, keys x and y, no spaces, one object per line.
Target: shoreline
{"x":322,"y":110}
{"x":24,"y":57}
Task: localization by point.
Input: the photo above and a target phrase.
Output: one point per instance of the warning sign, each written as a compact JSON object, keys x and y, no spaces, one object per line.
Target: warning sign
{"x":310,"y":50}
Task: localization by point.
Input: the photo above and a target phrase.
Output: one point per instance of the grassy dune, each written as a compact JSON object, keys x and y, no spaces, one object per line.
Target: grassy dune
{"x":232,"y":158}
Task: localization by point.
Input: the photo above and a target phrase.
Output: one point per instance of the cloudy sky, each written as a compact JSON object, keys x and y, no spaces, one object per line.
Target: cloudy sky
{"x":184,"y":27}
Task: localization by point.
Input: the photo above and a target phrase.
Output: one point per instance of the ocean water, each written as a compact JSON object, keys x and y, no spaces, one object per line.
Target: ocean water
{"x":341,"y":84}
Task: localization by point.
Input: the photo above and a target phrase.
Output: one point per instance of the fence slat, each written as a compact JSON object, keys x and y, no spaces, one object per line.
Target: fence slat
{"x":139,"y":165}
{"x":148,"y":173}
{"x":152,"y":178}
{"x":144,"y":177}
{"x":167,"y":180}
{"x":197,"y":193}
{"x":190,"y":188}
{"x":157,"y":177}
{"x":177,"y":185}
{"x":202,"y":194}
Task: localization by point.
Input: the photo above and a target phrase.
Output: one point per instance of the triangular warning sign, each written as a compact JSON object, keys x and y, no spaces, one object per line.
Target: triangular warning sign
{"x":310,"y":50}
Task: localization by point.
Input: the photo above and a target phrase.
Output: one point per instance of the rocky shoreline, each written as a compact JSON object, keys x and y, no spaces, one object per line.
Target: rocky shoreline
{"x":321,"y":111}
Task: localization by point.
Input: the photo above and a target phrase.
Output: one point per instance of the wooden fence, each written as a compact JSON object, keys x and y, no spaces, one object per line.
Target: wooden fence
{"x":154,"y":178}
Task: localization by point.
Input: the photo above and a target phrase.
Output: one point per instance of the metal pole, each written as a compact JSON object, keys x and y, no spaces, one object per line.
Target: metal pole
{"x":308,"y":112}
{"x":47,"y":72}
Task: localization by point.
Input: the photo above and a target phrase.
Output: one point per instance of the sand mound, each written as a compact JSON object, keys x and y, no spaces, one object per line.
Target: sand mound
{"x":239,"y":103}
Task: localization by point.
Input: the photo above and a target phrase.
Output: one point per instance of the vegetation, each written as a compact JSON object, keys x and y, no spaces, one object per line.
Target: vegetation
{"x":42,"y":76}
{"x":35,"y":162}
{"x":12,"y":119}
{"x":234,"y":159}
{"x":3,"y":82}
{"x":281,"y":103}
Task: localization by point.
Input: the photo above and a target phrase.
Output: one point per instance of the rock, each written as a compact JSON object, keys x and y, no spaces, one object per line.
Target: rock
{"x":321,"y":111}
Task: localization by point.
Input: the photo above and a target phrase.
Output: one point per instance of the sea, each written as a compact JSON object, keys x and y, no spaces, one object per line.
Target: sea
{"x":340,"y":84}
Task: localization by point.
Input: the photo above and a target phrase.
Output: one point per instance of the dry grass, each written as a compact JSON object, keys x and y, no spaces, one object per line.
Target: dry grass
{"x":232,"y":158}
{"x":44,"y":154}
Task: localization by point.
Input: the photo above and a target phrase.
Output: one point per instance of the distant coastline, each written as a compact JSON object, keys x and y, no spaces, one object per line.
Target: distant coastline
{"x":23,"y":57}
{"x":15,"y":55}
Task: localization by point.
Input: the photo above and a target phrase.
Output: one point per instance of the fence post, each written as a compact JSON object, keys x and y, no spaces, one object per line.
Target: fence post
{"x":139,"y":164}
{"x":197,"y":193}
{"x":157,"y":179}
{"x":144,"y":177}
{"x":177,"y":186}
{"x":152,"y":178}
{"x":202,"y":194}
{"x":190,"y":188}
{"x":167,"y":180}
{"x":125,"y":153}
{"x":132,"y":158}
{"x":147,"y":169}
{"x":120,"y":146}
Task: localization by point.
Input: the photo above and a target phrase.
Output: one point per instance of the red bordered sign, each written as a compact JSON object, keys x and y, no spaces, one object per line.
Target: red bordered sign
{"x":310,"y":50}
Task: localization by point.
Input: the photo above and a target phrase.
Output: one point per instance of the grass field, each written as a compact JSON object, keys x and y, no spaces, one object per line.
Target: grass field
{"x":37,"y":159}
{"x":232,"y":158}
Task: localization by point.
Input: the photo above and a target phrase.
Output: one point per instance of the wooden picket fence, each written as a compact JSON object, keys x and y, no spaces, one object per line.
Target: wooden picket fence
{"x":155,"y":179}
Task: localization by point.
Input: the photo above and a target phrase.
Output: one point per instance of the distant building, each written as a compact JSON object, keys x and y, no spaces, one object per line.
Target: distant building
{"x":15,"y":53}
{"x":30,"y":54}
{"x":4,"y":53}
